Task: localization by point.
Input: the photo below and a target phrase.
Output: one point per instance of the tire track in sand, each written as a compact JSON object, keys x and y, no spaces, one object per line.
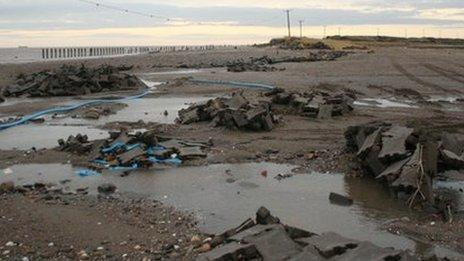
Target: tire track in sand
{"x":416,"y":79}
{"x":447,"y":73}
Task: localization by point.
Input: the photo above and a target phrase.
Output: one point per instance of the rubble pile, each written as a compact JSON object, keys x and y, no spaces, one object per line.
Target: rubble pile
{"x":299,"y":43}
{"x":406,"y":160}
{"x":315,"y":104}
{"x":76,"y":144}
{"x":264,"y":63}
{"x":132,"y":151}
{"x":234,"y":113}
{"x":261,"y":64}
{"x":265,"y":238}
{"x":70,"y":80}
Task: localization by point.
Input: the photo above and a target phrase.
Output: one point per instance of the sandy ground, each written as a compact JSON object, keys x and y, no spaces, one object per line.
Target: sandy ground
{"x":396,"y":72}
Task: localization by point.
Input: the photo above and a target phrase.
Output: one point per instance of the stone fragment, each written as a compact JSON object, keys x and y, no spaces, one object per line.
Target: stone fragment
{"x":340,"y":199}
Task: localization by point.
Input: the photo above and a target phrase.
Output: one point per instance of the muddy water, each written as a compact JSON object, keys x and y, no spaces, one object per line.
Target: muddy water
{"x":146,"y":109}
{"x":222,"y":196}
{"x":25,"y":137}
{"x":45,"y":135}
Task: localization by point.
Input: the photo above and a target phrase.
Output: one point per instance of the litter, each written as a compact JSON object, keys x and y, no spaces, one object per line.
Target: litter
{"x":87,"y":173}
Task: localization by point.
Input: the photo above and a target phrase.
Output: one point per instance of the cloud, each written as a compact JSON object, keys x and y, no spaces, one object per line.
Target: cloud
{"x":31,"y":16}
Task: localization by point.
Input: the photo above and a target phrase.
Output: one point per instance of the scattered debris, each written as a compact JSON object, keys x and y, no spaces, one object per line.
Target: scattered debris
{"x":71,"y":80}
{"x":7,"y":187}
{"x":407,"y":160}
{"x":76,"y":144}
{"x":126,"y":151}
{"x":316,"y":104}
{"x":107,"y":188}
{"x":236,"y":112}
{"x":268,"y":239}
{"x":299,"y":43}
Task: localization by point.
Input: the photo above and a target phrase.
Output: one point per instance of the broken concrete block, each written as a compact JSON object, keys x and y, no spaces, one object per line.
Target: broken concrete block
{"x":191,"y":152}
{"x":264,"y":217}
{"x":369,"y":142}
{"x":252,"y":231}
{"x":369,"y":251}
{"x":127,"y":157}
{"x":453,"y":143}
{"x":331,"y":244}
{"x":394,"y":143}
{"x":308,"y":253}
{"x":371,"y":162}
{"x":236,"y":102}
{"x":394,"y":169}
{"x":452,"y":160}
{"x":340,"y":199}
{"x":274,"y":244}
{"x":231,"y":251}
{"x":409,"y":175}
{"x":189,"y":116}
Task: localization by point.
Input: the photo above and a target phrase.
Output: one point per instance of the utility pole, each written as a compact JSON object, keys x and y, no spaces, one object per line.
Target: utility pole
{"x":288,"y":22}
{"x":301,"y":28}
{"x":325,"y":31}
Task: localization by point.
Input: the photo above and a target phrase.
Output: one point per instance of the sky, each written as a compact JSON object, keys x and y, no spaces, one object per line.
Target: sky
{"x":178,"y":22}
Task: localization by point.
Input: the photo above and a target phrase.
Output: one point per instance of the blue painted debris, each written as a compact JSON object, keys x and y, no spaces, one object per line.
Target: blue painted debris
{"x":68,"y":108}
{"x":87,"y":173}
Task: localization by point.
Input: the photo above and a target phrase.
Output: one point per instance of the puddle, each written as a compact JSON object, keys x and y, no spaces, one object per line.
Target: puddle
{"x":45,"y":135}
{"x":189,"y":71}
{"x":384,"y":103}
{"x":448,"y":99}
{"x":25,"y":137}
{"x":221,"y":201}
{"x":146,"y":109}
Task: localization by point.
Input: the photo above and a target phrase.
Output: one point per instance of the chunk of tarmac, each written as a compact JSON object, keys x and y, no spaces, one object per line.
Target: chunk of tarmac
{"x":275,"y":241}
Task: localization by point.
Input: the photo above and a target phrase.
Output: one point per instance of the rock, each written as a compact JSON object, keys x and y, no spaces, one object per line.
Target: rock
{"x":131,"y":156}
{"x":205,"y":248}
{"x":231,"y":251}
{"x":274,"y":244}
{"x":91,"y":114}
{"x":264,"y":217}
{"x":196,"y":241}
{"x":394,"y":169}
{"x":369,"y":251}
{"x":369,"y":142}
{"x":340,"y":199}
{"x":452,"y":160}
{"x":331,"y":244}
{"x":453,"y":143}
{"x":107,"y":188}
{"x":394,"y":143}
{"x":7,"y":187}
{"x":308,"y":253}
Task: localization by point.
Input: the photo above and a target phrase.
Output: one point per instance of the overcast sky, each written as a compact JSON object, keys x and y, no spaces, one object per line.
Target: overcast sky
{"x":73,"y":22}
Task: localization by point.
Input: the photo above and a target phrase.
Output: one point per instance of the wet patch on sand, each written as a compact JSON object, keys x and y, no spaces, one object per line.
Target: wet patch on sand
{"x":221,"y":195}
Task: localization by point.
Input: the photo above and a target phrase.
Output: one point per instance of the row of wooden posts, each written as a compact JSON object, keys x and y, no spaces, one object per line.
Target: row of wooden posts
{"x":81,"y":52}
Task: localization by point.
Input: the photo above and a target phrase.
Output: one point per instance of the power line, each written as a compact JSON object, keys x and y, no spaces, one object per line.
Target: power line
{"x":116,"y":8}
